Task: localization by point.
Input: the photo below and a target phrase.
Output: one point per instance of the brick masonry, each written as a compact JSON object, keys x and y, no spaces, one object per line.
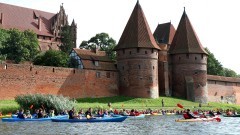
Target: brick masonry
{"x":18,"y":79}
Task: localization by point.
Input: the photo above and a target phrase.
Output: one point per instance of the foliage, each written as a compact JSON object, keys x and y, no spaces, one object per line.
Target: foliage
{"x":230,"y":73}
{"x":67,"y":39}
{"x":103,"y":42}
{"x":214,"y":67}
{"x":52,"y":58}
{"x":19,"y":46}
{"x":47,"y":102}
{"x":73,"y":63}
{"x":8,"y":106}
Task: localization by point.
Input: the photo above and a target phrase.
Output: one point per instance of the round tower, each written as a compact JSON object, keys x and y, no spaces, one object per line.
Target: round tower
{"x":137,"y":58}
{"x":188,"y":64}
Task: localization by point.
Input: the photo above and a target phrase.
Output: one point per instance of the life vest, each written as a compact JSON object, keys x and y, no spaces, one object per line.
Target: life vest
{"x":185,"y":115}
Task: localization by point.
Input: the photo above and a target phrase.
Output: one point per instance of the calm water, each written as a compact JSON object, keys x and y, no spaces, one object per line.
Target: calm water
{"x":150,"y":125}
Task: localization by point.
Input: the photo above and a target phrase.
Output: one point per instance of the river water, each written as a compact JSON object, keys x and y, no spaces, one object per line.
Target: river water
{"x":149,"y":125}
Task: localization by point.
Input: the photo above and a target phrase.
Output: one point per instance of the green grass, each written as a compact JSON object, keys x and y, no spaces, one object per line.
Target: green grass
{"x":8,"y":106}
{"x":120,"y":102}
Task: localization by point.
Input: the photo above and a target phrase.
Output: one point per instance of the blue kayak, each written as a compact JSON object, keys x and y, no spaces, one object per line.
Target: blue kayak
{"x":34,"y":119}
{"x":97,"y":119}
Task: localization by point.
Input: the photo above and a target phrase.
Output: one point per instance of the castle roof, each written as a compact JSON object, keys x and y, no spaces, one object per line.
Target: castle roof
{"x":137,"y":33}
{"x":164,"y":33}
{"x":25,"y":18}
{"x":88,"y":57}
{"x":185,"y":39}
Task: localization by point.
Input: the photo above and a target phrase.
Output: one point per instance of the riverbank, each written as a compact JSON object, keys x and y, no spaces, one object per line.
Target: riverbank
{"x":120,"y":102}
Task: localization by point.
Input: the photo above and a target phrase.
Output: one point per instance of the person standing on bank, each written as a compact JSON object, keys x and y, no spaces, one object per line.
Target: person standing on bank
{"x":162,"y":103}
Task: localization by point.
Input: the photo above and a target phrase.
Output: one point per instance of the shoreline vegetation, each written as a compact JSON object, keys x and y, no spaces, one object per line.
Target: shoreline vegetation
{"x":120,"y":102}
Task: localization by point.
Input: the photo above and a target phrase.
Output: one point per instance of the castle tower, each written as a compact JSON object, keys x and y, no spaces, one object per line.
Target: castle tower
{"x":137,"y":58}
{"x":163,"y":35}
{"x":74,"y":32}
{"x":188,"y":63}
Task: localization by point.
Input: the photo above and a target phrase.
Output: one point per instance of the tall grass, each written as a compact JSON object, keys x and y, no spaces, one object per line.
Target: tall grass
{"x":8,"y":106}
{"x":47,"y":102}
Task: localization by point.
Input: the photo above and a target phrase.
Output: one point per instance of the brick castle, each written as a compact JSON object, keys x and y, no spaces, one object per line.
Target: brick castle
{"x":167,"y":63}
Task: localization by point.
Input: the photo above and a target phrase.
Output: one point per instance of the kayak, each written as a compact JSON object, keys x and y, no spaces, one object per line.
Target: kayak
{"x":156,"y":114}
{"x":97,"y":119}
{"x":170,"y":113}
{"x":238,"y":115}
{"x":136,"y":117}
{"x":199,"y":120}
{"x":5,"y":116}
{"x":34,"y":119}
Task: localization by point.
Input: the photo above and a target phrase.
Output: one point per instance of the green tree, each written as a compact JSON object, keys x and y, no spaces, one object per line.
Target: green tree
{"x":20,"y":46}
{"x":103,"y":42}
{"x":3,"y":38}
{"x":214,"y":67}
{"x":52,"y":58}
{"x":230,"y":73}
{"x":67,"y":39}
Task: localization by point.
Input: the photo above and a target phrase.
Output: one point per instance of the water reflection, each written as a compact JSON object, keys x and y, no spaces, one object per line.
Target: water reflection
{"x":149,"y":125}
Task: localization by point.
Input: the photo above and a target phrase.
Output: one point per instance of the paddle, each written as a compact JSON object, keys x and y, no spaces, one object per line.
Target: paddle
{"x":180,"y":106}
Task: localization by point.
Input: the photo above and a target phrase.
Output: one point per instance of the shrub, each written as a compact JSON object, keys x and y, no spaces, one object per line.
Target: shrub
{"x":47,"y":102}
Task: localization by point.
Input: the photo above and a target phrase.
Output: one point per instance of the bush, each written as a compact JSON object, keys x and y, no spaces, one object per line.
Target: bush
{"x":47,"y":102}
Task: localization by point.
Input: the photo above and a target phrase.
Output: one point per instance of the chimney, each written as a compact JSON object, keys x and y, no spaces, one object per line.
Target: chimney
{"x":1,"y":18}
{"x":39,"y":23}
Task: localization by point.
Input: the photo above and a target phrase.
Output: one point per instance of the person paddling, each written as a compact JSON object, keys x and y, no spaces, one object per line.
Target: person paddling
{"x":88,"y":113}
{"x":188,"y":115}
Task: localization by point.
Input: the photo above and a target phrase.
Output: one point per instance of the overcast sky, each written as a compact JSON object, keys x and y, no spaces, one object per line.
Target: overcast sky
{"x":216,"y":22}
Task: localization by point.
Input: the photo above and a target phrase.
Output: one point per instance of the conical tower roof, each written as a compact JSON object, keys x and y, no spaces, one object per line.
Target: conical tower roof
{"x":185,"y":39}
{"x":137,"y":33}
{"x":164,"y":33}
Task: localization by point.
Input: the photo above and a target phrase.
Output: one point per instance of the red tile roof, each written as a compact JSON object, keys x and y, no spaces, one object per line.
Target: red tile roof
{"x":222,"y":78}
{"x":185,"y":39}
{"x":25,"y":18}
{"x":164,"y":33}
{"x":137,"y":32}
{"x":89,"y":56}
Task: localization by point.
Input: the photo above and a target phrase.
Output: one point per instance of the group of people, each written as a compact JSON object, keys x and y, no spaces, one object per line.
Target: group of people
{"x":231,"y":112}
{"x":38,"y":113}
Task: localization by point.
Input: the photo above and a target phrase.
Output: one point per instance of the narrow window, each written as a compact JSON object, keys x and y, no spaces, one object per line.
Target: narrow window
{"x":195,"y":58}
{"x":98,"y":74}
{"x":53,"y":70}
{"x":221,"y":97}
{"x":30,"y":68}
{"x":74,"y":71}
{"x":130,"y":52}
{"x":152,"y":51}
{"x":187,"y":55}
{"x":202,"y":56}
{"x":145,"y":52}
{"x":139,"y":66}
{"x":123,"y":68}
{"x":153,"y":67}
{"x":123,"y":51}
{"x":108,"y":74}
{"x":137,"y":50}
{"x":96,"y":63}
{"x":179,"y":58}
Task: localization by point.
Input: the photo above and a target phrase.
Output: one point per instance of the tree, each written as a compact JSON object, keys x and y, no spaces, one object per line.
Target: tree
{"x":103,"y":42}
{"x":67,"y":39}
{"x":52,"y":58}
{"x":230,"y":73}
{"x":3,"y":37}
{"x":214,"y":67}
{"x":20,"y":46}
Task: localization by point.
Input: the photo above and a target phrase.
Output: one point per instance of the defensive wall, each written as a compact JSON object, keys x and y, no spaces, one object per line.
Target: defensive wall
{"x":18,"y":79}
{"x":223,"y":89}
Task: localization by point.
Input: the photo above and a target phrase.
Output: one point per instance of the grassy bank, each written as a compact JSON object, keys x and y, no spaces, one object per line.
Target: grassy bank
{"x":120,"y":102}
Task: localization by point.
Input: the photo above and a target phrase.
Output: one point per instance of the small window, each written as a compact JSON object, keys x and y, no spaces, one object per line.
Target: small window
{"x":108,"y":74}
{"x":152,"y":51}
{"x":98,"y":74}
{"x":150,"y":78}
{"x":195,"y":58}
{"x":123,"y":68}
{"x":221,"y":97}
{"x":139,"y":67}
{"x":187,"y":55}
{"x":146,"y":52}
{"x":96,"y":63}
{"x":130,"y":52}
{"x":137,"y":50}
{"x":74,"y":71}
{"x":179,"y":58}
{"x":53,"y":70}
{"x":153,"y":67}
{"x":123,"y":51}
{"x":30,"y":68}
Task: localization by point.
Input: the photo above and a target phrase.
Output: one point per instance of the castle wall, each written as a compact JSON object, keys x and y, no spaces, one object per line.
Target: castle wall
{"x":138,"y":72}
{"x":189,"y":76}
{"x":163,"y":74}
{"x":18,"y":79}
{"x":223,"y":89}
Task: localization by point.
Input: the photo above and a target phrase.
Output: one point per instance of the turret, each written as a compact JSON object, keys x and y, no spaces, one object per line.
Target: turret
{"x":137,"y":58}
{"x":188,"y":63}
{"x":74,"y":32}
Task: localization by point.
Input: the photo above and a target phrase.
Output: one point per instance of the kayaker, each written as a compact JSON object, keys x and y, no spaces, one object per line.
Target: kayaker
{"x":211,"y":113}
{"x":51,"y":113}
{"x":71,"y":113}
{"x":88,"y":113}
{"x":28,"y":114}
{"x":189,"y":115}
{"x":125,"y":112}
{"x":40,"y":114}
{"x":21,"y":114}
{"x":132,"y":113}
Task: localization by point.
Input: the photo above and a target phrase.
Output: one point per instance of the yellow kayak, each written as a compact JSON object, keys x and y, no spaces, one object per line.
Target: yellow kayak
{"x":5,"y":116}
{"x":170,"y":113}
{"x":156,"y":114}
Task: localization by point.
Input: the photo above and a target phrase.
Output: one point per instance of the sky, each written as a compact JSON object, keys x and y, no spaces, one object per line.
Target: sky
{"x":216,"y":22}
